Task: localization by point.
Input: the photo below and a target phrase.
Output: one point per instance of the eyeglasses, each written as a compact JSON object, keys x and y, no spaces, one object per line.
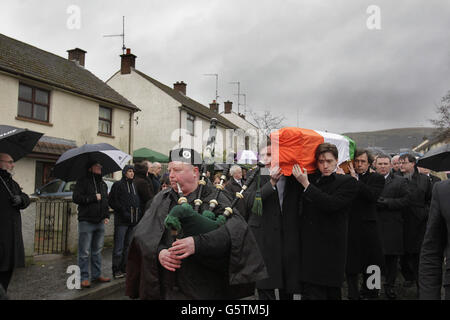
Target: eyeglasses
{"x":8,"y":161}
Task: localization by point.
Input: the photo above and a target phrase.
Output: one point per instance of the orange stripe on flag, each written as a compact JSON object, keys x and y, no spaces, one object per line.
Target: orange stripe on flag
{"x":292,"y":145}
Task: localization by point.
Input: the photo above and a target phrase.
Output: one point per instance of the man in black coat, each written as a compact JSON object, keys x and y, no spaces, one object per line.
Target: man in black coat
{"x":364,"y":238}
{"x":435,"y":246}
{"x":390,"y":205}
{"x":124,"y":199}
{"x":235,"y":185}
{"x":277,"y":230}
{"x":91,"y":195}
{"x":414,"y":216}
{"x":327,"y":199}
{"x":12,"y":200}
{"x":205,"y":266}
{"x":144,"y":187}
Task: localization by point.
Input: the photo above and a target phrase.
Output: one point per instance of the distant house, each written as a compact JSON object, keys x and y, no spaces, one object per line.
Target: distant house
{"x":60,"y":98}
{"x":169,"y":118}
{"x":435,"y":142}
{"x":247,"y":136}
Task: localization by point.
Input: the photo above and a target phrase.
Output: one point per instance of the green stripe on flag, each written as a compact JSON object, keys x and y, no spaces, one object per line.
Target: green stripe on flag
{"x":352,"y":147}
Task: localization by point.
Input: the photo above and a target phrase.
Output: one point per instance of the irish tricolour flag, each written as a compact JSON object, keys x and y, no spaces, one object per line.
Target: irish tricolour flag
{"x":292,"y":145}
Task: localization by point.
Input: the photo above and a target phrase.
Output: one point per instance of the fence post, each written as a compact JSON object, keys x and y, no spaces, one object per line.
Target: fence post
{"x":72,"y":229}
{"x":28,"y":230}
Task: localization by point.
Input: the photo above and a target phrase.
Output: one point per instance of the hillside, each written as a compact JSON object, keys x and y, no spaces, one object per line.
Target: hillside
{"x":392,"y":140}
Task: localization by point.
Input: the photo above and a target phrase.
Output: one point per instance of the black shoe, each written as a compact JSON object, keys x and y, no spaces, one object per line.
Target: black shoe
{"x":118,"y":275}
{"x":390,"y":293}
{"x":408,"y":284}
{"x":369,"y":295}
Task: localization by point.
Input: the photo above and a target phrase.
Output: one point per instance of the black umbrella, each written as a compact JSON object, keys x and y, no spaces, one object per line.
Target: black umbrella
{"x":74,"y":163}
{"x":17,"y":142}
{"x":437,"y":159}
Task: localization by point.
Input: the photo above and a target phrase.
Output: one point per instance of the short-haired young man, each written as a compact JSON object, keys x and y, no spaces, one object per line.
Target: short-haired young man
{"x":327,"y":198}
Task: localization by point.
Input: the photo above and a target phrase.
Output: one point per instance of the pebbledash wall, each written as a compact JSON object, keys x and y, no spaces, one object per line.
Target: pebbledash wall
{"x":71,"y":116}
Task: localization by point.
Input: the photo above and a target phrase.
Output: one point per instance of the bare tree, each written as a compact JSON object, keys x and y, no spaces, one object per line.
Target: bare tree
{"x":266,"y":122}
{"x":443,"y":113}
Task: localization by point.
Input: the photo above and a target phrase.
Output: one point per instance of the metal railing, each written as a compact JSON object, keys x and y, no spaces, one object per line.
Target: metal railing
{"x":52,"y":226}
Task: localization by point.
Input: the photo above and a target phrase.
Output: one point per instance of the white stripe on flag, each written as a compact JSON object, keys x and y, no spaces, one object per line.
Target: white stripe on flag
{"x":340,"y":142}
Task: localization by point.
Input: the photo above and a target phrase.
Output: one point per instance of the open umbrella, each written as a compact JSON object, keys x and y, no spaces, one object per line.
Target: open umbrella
{"x":437,"y":159}
{"x":74,"y":163}
{"x":17,"y":142}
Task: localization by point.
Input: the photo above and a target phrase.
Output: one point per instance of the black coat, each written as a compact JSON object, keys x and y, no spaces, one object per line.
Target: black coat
{"x":144,"y":189}
{"x":232,"y":187}
{"x":416,"y":214}
{"x":324,"y":224}
{"x":277,"y":232}
{"x":12,"y":253}
{"x":89,"y":209}
{"x":390,"y":212}
{"x":124,"y":199}
{"x":436,"y":245}
{"x":364,"y":235}
{"x":224,"y":259}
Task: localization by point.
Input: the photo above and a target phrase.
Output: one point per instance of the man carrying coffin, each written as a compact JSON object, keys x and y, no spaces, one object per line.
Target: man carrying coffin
{"x":211,"y":265}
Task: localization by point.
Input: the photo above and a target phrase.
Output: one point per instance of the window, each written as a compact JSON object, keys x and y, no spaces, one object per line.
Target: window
{"x":190,"y":123}
{"x":247,"y":143}
{"x":105,"y":120}
{"x":34,"y":103}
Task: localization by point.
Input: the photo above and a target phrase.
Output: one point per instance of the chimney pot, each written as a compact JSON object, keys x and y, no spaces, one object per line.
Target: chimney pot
{"x":77,"y":55}
{"x":214,"y":106}
{"x":127,"y":62}
{"x":228,"y":106}
{"x":180,"y":87}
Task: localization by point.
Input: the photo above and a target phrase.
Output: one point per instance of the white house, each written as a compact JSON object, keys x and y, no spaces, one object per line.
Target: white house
{"x":60,"y":98}
{"x":168,"y":117}
{"x":247,"y":136}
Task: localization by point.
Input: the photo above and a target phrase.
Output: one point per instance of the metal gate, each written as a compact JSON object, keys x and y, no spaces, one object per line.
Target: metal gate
{"x":52,"y":217}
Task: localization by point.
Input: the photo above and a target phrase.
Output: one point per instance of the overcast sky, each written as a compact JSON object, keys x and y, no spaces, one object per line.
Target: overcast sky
{"x":315,"y":62}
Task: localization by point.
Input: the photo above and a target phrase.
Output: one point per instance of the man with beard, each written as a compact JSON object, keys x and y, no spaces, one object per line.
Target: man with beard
{"x":364,"y":239}
{"x":206,"y":266}
{"x":12,"y":200}
{"x":327,"y":199}
{"x":390,"y":205}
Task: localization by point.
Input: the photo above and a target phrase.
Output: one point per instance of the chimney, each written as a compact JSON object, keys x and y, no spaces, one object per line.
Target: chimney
{"x":77,"y":55}
{"x":228,"y":106}
{"x":127,"y":62}
{"x":180,"y":87}
{"x":214,"y":106}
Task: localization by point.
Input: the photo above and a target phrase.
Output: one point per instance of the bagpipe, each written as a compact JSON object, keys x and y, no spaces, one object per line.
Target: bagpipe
{"x":185,"y":220}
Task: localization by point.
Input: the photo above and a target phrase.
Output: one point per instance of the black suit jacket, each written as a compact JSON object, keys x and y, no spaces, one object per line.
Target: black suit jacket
{"x":364,"y":238}
{"x":277,"y":232}
{"x":436,"y":244}
{"x":324,"y":220}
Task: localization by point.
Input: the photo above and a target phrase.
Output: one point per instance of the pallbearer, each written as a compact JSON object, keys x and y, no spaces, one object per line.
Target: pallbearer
{"x":206,"y":266}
